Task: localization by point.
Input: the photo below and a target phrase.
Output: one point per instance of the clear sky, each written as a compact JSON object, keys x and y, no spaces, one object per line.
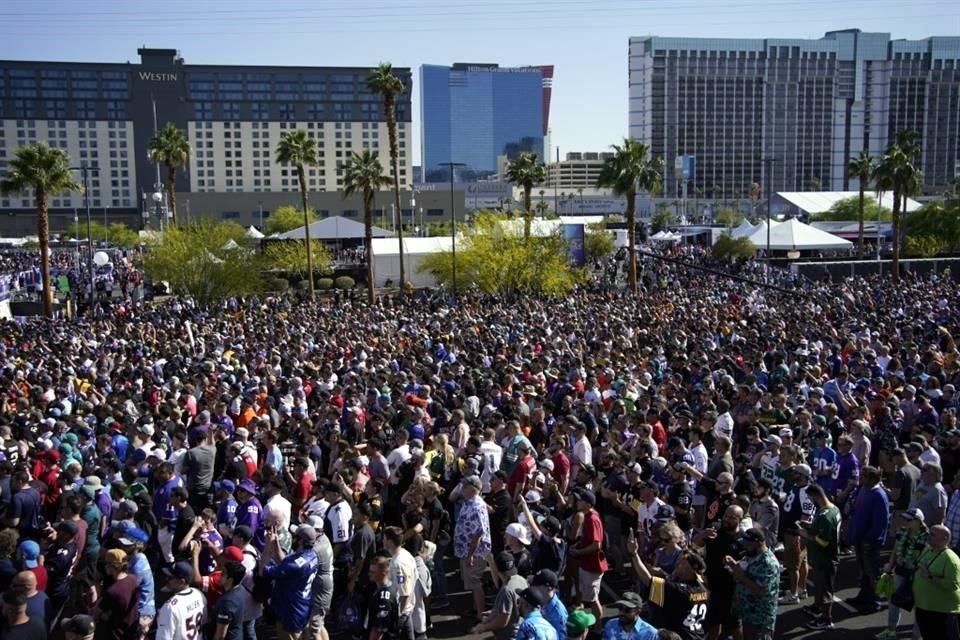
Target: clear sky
{"x":586,"y":40}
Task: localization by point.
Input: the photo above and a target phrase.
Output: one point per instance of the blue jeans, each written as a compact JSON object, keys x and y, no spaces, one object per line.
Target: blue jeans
{"x":438,"y":575}
{"x":893,"y":613}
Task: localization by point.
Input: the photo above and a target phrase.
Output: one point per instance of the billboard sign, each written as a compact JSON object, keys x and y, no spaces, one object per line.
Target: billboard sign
{"x":574,"y":235}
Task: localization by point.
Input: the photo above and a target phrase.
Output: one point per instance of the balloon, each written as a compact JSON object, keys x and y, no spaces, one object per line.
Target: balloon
{"x":100,"y":258}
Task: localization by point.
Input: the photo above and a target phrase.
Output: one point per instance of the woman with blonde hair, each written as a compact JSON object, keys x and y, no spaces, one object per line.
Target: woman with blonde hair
{"x":441,"y":460}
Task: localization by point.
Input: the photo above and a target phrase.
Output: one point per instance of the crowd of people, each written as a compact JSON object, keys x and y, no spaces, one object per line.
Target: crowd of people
{"x":701,"y":456}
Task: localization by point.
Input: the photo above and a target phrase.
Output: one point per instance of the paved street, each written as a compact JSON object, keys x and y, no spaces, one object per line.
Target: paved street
{"x":849,"y":624}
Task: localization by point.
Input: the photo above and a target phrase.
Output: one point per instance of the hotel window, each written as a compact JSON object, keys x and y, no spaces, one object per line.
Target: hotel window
{"x":203,"y":111}
{"x":23,"y":108}
{"x":231,"y":111}
{"x":116,"y":110}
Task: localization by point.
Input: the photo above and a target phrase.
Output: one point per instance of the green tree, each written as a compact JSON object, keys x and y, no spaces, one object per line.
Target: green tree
{"x":40,"y":171}
{"x":194,"y":261}
{"x":938,"y":220}
{"x":117,"y":234}
{"x":494,"y":258}
{"x":898,"y":173}
{"x":288,"y":218}
{"x":290,"y":256}
{"x":363,"y":174}
{"x":170,"y":147}
{"x":661,"y":219}
{"x":861,"y":167}
{"x":848,"y":210}
{"x":385,"y":83}
{"x":299,"y":150}
{"x":729,"y":218}
{"x":629,"y":169}
{"x":729,"y":248}
{"x":598,"y":242}
{"x":526,"y":172}
{"x":923,"y":246}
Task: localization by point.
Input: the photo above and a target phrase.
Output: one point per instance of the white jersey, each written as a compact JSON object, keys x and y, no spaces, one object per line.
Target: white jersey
{"x":492,"y":453}
{"x":182,"y":617}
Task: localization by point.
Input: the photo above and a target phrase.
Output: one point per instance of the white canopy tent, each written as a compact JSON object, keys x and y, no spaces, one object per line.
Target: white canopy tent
{"x":666,"y":236}
{"x":794,"y":235}
{"x":744,"y":230}
{"x":333,"y":228}
{"x":253,"y":233}
{"x":386,"y":258}
{"x":814,"y":202}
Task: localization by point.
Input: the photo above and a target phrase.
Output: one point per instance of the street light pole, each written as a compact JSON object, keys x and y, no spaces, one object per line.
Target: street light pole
{"x":453,"y":222}
{"x":84,"y":171}
{"x":769,"y":180}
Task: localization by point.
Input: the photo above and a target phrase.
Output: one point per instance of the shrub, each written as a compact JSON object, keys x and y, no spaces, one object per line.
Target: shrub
{"x":280,"y":284}
{"x":324,"y":284}
{"x":345,"y":282}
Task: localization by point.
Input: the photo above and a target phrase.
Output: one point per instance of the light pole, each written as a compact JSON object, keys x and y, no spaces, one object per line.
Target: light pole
{"x":453,"y":222}
{"x":158,"y":202}
{"x":768,"y":162}
{"x":84,"y":171}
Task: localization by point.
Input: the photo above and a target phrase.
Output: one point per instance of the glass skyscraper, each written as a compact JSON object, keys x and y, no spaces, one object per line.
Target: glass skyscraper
{"x":473,"y":113}
{"x":805,"y":106}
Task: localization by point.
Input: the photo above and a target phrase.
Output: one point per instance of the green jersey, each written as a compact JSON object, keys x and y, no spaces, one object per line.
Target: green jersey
{"x":825,"y":528}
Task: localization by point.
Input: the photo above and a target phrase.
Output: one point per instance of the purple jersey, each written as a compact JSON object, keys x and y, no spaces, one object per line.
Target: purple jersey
{"x":847,"y":468}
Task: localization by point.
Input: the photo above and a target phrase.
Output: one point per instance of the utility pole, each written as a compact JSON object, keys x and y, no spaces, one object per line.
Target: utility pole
{"x":768,"y":178}
{"x":453,"y":222}
{"x":84,"y":171}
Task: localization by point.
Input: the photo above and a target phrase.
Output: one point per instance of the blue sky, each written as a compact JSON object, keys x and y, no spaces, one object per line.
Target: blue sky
{"x":586,"y":40}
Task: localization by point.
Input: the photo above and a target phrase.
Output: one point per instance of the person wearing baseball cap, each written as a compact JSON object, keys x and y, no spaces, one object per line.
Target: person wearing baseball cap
{"x":546,"y":582}
{"x":118,"y":607}
{"x":186,"y":610}
{"x":79,"y":627}
{"x":628,"y":623}
{"x":534,"y":626}
{"x":588,"y":550}
{"x":249,"y":510}
{"x":757,"y":579}
{"x":579,"y":623}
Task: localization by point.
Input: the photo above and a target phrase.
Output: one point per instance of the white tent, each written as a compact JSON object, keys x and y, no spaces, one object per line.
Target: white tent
{"x":230,"y":245}
{"x":386,"y":258}
{"x":813,"y":202}
{"x":744,"y":230}
{"x":253,"y":233}
{"x":794,"y":235}
{"x":333,"y":228}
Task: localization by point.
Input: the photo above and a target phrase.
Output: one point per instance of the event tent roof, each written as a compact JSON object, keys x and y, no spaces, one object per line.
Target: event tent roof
{"x":414,"y":245}
{"x":333,"y":228}
{"x":820,"y":201}
{"x":253,"y":233}
{"x":793,"y":234}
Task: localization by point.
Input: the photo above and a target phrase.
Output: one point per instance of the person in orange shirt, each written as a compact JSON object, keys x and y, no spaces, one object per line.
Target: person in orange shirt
{"x":247,"y":414}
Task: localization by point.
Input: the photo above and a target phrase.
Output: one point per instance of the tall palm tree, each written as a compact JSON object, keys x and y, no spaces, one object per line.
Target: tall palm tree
{"x":526,"y":172}
{"x":363,"y":174}
{"x":386,"y":84}
{"x":40,"y":171}
{"x":171,"y":148}
{"x":629,"y":169}
{"x":862,"y":167}
{"x":898,"y":173}
{"x":297,"y":149}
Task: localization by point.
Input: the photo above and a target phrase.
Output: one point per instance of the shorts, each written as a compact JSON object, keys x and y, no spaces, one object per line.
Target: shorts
{"x":473,"y":576}
{"x":283,"y":634}
{"x":720,"y":611}
{"x":823,"y":580}
{"x":321,"y":605}
{"x":792,"y":560}
{"x":590,"y":585}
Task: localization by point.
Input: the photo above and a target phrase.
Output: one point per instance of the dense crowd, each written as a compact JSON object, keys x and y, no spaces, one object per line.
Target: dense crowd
{"x":708,"y":449}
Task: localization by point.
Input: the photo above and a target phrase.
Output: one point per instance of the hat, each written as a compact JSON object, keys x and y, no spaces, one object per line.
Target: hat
{"x":915,"y":447}
{"x":244,"y":532}
{"x":532,"y":497}
{"x":306,"y":533}
{"x":119,"y":556}
{"x":579,"y":622}
{"x":248,"y":486}
{"x":30,"y":551}
{"x":132,"y":535}
{"x":910,"y":388}
{"x":533,"y":597}
{"x":232,"y":553}
{"x":80,"y":624}
{"x":519,"y":532}
{"x":774,"y":440}
{"x":585,"y":495}
{"x":227,"y":485}
{"x":785,"y":432}
{"x":913,"y":514}
{"x":629,"y":600}
{"x":241,"y":432}
{"x":751,"y":535}
{"x":472,"y":481}
{"x":128,"y":505}
{"x":664,"y":513}
{"x":89,"y":491}
{"x":636,"y":468}
{"x":68,"y":527}
{"x":545,"y":578}
{"x":802,"y":469}
{"x":546,"y":464}
{"x":182,"y":570}
{"x":93,"y":481}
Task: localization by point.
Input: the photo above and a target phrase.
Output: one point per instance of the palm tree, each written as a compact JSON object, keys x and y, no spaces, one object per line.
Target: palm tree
{"x":40,"y":171}
{"x":629,"y":169}
{"x":383,"y":82}
{"x":171,"y":148}
{"x":526,"y":172}
{"x":896,"y":172}
{"x":297,"y":149}
{"x":363,"y":174}
{"x":862,"y":167}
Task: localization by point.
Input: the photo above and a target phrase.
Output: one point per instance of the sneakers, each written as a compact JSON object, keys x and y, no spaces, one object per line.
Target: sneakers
{"x":820,"y":625}
{"x":887,"y":634}
{"x":812,"y":610}
{"x":789,"y":598}
{"x":802,"y":594}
